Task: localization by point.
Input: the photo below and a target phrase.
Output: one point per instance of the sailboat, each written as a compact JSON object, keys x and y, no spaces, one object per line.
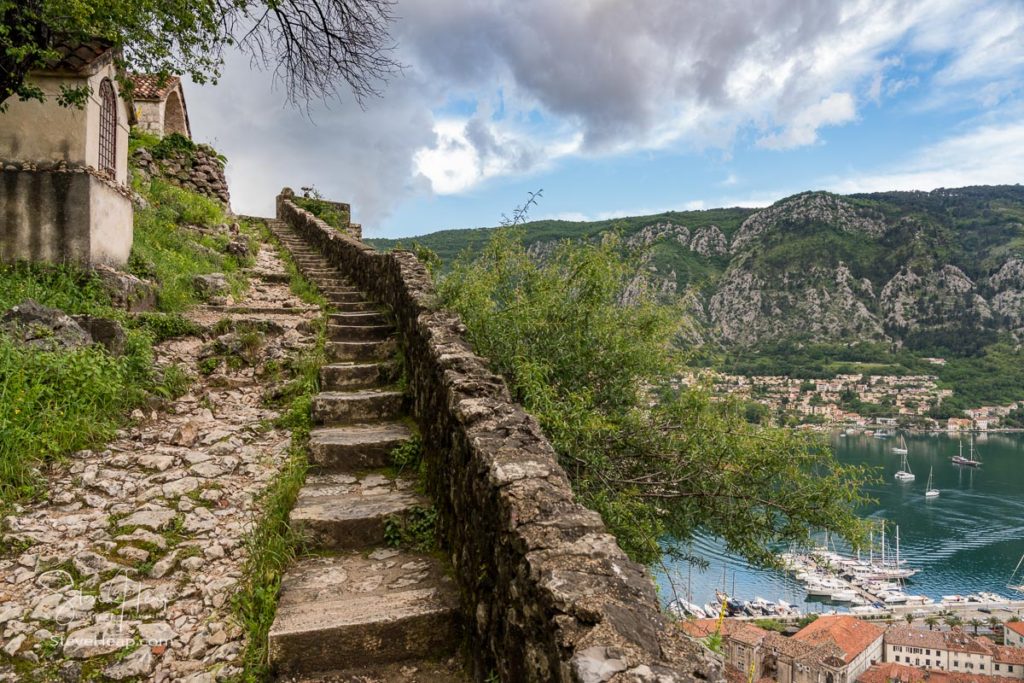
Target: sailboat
{"x":904,"y":473}
{"x":1019,"y":588}
{"x":972,"y":461}
{"x":902,"y":448}
{"x":961,"y":460}
{"x":930,"y":492}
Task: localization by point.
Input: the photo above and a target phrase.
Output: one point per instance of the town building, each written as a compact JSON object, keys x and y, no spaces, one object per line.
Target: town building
{"x":951,"y":650}
{"x":160,"y":105}
{"x":891,"y":672}
{"x":860,"y":641}
{"x":64,"y":193}
{"x":1013,"y":633}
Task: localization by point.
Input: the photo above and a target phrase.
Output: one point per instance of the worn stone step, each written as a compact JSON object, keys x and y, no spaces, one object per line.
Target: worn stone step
{"x":358,"y":318}
{"x":446,"y":670}
{"x":356,"y":447}
{"x":359,"y":332}
{"x":348,"y":376}
{"x":342,"y":512}
{"x":356,"y":610}
{"x":358,"y":307}
{"x":361,"y":350}
{"x":334,"y":287}
{"x":365,"y":405}
{"x":345,"y":297}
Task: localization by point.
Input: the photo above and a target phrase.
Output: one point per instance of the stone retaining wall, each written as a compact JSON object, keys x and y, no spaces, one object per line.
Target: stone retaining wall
{"x":548,"y":593}
{"x":199,"y":171}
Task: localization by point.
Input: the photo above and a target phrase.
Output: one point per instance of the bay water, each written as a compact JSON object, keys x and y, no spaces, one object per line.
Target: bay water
{"x":968,"y":539}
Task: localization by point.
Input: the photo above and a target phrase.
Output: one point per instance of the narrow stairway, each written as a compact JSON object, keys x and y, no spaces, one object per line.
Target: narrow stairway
{"x":359,"y":610}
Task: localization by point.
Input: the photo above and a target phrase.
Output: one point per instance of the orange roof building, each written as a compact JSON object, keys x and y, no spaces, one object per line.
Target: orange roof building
{"x":160,"y":105}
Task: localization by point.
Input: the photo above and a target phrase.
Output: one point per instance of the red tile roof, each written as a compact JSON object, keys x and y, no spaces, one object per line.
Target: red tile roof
{"x":852,"y":635}
{"x":79,"y":57}
{"x":1009,"y":655}
{"x":152,"y":87}
{"x":954,"y":640}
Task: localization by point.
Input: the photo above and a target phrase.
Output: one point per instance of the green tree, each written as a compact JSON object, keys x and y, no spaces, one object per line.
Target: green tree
{"x":312,"y":45}
{"x":588,"y":367}
{"x":975,"y":624}
{"x":953,"y":621}
{"x":932,"y":621}
{"x":909,"y":618}
{"x":994,"y":622}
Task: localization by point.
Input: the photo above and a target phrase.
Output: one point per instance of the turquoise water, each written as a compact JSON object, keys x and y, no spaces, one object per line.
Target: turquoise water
{"x":966,"y":540}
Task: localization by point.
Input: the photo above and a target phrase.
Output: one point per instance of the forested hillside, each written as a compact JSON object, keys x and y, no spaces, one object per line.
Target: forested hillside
{"x":820,"y":283}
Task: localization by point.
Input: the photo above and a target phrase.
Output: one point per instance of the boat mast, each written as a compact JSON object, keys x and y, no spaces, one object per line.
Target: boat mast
{"x":883,"y":543}
{"x":871,"y":545}
{"x":897,"y":546}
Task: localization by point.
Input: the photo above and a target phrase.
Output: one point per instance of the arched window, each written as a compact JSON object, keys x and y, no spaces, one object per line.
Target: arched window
{"x":108,"y":127}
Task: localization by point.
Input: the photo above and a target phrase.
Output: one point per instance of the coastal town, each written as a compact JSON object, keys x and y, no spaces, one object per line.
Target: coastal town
{"x":861,"y":401}
{"x":844,"y":649}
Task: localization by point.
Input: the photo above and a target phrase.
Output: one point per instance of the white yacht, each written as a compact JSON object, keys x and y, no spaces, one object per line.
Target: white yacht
{"x":904,"y":473}
{"x":929,"y":490}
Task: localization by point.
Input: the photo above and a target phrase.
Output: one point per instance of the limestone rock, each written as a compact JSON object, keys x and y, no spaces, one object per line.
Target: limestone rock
{"x":210,"y":285}
{"x":109,"y":333}
{"x":42,"y":327}
{"x":127,"y":291}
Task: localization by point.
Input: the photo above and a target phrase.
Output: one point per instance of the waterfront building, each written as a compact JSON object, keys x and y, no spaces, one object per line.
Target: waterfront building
{"x":951,"y":650}
{"x":1013,"y":633}
{"x":891,"y":672}
{"x":860,"y":641}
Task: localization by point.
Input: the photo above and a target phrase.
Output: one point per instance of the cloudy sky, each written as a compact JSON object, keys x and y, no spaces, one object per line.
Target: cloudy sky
{"x":623,"y":107}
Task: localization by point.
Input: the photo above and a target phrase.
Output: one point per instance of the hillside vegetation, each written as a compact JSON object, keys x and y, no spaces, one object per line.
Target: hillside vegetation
{"x":56,"y":399}
{"x":818,"y":284}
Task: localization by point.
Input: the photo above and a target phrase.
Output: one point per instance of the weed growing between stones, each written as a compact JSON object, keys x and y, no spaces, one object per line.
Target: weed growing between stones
{"x":416,"y":529}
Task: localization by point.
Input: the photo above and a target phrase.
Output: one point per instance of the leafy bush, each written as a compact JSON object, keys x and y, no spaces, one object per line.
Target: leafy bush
{"x":657,"y":471}
{"x":329,"y":212}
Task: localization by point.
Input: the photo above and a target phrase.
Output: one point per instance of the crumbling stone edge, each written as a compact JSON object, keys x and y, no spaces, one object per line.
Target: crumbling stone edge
{"x":548,"y":593}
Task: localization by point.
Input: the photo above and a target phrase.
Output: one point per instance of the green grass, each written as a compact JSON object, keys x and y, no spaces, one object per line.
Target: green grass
{"x":56,"y":402}
{"x":172,"y":254}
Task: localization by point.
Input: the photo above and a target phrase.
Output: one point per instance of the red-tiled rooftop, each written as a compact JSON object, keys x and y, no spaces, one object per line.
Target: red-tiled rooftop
{"x":151,"y":86}
{"x":852,"y":635}
{"x":1009,"y":655}
{"x":81,"y":56}
{"x":954,"y":640}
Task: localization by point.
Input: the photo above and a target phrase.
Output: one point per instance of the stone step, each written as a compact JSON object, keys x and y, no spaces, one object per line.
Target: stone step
{"x":333,"y":287}
{"x":342,"y":512}
{"x":361,"y":350}
{"x":357,"y":610}
{"x":348,"y":376}
{"x":358,"y":307}
{"x":356,"y":447}
{"x":449,"y":670}
{"x":359,"y":332}
{"x":345,"y":297}
{"x":358,"y":318}
{"x":365,"y":405}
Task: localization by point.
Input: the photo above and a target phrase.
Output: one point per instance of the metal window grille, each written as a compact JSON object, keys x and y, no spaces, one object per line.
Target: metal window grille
{"x":108,"y":127}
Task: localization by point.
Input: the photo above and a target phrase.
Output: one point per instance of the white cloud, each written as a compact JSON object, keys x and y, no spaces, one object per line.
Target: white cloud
{"x":833,"y":110}
{"x":593,"y":77}
{"x":989,"y":155}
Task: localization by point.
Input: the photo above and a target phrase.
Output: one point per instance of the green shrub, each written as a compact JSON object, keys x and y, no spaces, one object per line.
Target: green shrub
{"x":657,"y":471}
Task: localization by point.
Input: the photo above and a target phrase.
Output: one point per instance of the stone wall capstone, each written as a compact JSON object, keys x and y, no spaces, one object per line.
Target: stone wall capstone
{"x":548,"y":593}
{"x":199,"y":171}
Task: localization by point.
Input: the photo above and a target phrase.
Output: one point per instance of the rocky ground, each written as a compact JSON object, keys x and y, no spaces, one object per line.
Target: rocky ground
{"x":127,"y":570}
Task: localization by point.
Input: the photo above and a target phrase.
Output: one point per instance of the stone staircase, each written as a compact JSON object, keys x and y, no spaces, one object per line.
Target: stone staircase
{"x":359,"y":610}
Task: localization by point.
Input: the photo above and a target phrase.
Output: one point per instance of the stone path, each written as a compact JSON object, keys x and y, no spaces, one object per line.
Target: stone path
{"x":360,"y":610}
{"x":141,"y":543}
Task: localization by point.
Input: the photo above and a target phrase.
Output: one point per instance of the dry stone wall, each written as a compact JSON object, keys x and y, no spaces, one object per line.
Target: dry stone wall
{"x":548,"y":593}
{"x":198,"y":170}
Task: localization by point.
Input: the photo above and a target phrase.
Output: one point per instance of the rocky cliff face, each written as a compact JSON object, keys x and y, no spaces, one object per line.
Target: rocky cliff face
{"x":821,"y":267}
